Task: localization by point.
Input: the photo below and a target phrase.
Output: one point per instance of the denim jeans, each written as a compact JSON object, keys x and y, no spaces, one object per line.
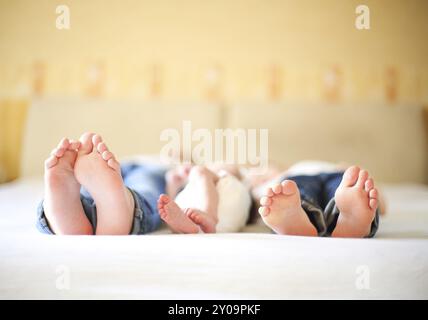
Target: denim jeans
{"x":146,"y":183}
{"x":317,"y":195}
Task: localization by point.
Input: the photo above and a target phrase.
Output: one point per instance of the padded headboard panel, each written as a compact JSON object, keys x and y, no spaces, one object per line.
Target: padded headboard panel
{"x":390,"y":141}
{"x":130,"y":128}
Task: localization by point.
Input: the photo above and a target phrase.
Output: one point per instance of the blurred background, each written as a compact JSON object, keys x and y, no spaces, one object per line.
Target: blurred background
{"x":223,"y":52}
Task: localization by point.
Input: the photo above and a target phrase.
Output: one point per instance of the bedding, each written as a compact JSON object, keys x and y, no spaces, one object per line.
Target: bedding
{"x":254,"y":264}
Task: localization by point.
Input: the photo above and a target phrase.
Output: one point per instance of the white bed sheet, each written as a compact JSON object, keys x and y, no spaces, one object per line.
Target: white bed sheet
{"x":251,"y":265}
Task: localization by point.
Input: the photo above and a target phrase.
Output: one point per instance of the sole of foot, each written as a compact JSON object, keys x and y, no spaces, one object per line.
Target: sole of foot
{"x":357,"y":200}
{"x":175,"y":217}
{"x":282,"y":211}
{"x":202,"y":219}
{"x":98,"y":171}
{"x":62,"y":205}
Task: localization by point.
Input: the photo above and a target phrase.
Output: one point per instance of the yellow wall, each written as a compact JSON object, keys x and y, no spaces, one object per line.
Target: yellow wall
{"x":235,"y":50}
{"x":12,"y":116}
{"x":227,"y":50}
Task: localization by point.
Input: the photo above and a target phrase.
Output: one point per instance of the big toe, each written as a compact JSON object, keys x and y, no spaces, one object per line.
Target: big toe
{"x":350,"y":176}
{"x":289,"y":187}
{"x":86,"y":144}
{"x":163,"y":199}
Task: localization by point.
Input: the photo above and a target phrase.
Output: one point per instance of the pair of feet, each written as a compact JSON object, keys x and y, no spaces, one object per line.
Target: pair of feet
{"x":356,"y":198}
{"x":88,"y":163}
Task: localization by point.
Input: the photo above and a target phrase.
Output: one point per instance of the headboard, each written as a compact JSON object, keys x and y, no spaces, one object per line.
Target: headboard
{"x":390,"y":141}
{"x":130,"y":128}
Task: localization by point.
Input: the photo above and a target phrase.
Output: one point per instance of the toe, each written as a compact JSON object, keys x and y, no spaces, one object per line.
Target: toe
{"x":369,"y":184}
{"x":289,"y":187}
{"x":86,"y":143}
{"x":264,"y":211}
{"x":58,"y":152}
{"x":265,"y":201}
{"x":51,"y":161}
{"x":269,"y":192}
{"x":373,"y":204}
{"x":350,"y":176}
{"x":74,"y":145}
{"x":96,"y":140}
{"x":163,"y":198}
{"x":373,"y":194}
{"x":101,"y":147}
{"x":107,"y":155}
{"x":64,"y":143}
{"x":112,"y":163}
{"x":362,"y":178}
{"x":277,"y":189}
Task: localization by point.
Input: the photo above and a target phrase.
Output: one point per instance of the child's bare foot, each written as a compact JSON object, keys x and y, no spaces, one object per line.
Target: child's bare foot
{"x":172,"y":214}
{"x":282,"y":211}
{"x":203,"y":220}
{"x":357,"y":200}
{"x":99,"y":172}
{"x":62,"y":205}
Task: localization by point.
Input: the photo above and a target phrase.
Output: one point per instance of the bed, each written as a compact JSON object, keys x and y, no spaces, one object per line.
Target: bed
{"x":252,"y":264}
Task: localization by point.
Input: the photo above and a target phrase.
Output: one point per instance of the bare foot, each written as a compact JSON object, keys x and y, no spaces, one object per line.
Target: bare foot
{"x":282,"y":211}
{"x":203,"y":220}
{"x":62,"y":205}
{"x":172,"y":214}
{"x":357,"y":200}
{"x":99,"y":172}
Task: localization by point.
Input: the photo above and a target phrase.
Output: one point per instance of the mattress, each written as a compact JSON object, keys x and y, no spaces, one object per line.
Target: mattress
{"x":253,"y":264}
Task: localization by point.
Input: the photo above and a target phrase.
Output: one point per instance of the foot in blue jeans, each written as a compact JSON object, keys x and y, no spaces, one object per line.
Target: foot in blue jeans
{"x":281,"y":210}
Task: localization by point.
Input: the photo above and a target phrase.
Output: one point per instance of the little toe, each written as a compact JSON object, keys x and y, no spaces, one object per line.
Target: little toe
{"x":362,"y":178}
{"x":264,"y":211}
{"x":350,"y":176}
